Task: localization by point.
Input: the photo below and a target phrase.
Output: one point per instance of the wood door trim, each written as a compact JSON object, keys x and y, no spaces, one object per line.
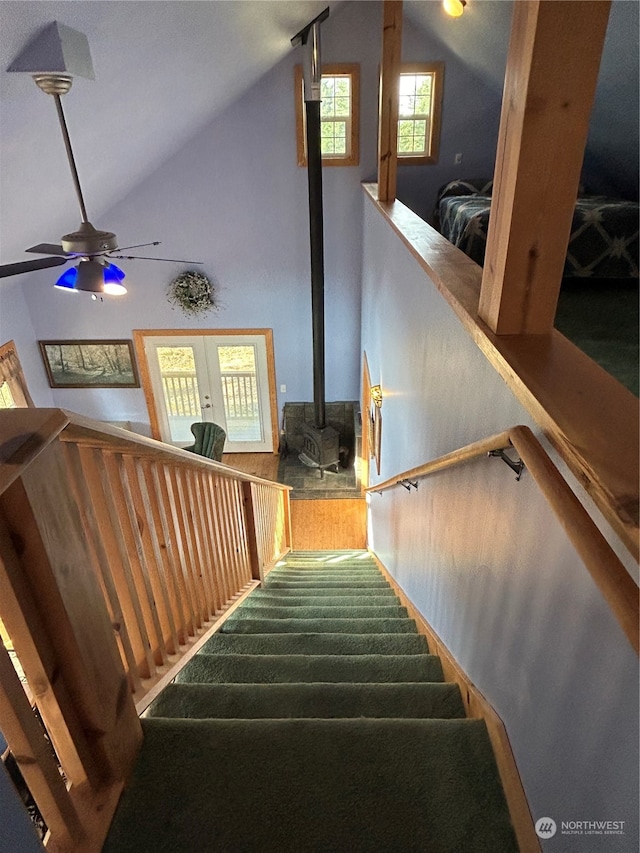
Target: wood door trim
{"x":140,"y":335}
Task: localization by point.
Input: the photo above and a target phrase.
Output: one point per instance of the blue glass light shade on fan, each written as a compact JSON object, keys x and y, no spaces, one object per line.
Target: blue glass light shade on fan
{"x":67,"y":280}
{"x":93,"y":277}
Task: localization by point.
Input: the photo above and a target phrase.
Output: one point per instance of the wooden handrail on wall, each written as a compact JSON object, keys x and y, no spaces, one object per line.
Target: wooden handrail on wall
{"x":119,"y":556}
{"x":611,"y":577}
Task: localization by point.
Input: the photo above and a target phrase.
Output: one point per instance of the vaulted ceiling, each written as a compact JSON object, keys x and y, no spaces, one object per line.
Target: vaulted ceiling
{"x":162,"y":71}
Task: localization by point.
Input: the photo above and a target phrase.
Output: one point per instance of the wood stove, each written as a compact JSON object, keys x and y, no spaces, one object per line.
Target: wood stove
{"x":320,"y":447}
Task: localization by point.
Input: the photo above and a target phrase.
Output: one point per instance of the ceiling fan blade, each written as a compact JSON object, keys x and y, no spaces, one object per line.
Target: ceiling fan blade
{"x":142,"y":258}
{"x":48,"y":249}
{"x":30,"y":266}
{"x":137,"y":246}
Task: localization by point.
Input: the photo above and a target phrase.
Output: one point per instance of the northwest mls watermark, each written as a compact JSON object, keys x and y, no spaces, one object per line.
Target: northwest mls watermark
{"x":546,"y":827}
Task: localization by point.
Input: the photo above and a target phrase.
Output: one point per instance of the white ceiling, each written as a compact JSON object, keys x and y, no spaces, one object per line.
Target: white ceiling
{"x":162,"y":71}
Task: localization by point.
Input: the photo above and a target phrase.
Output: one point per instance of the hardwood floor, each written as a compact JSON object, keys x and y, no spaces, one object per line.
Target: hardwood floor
{"x":316,"y":524}
{"x":259,"y":464}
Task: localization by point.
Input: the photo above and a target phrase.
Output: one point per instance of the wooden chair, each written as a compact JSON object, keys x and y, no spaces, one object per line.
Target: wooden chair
{"x":210,"y":440}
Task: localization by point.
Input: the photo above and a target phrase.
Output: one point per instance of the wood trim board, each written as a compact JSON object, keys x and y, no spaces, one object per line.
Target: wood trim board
{"x":478,"y":707}
{"x":139,"y":336}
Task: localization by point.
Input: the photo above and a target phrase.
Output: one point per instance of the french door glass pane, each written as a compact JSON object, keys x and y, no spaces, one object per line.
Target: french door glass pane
{"x":6,"y":397}
{"x":240,"y":392}
{"x":180,"y":390}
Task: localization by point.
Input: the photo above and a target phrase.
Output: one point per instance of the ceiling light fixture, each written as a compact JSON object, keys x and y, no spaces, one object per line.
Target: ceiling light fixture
{"x":454,"y":8}
{"x":93,"y":276}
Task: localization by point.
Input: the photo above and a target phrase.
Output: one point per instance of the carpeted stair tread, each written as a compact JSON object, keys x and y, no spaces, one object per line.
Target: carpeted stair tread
{"x":276,"y":598}
{"x":326,"y":584}
{"x":313,"y":786}
{"x":330,"y":574}
{"x":342,"y":577}
{"x":266,"y":669}
{"x":270,"y":611}
{"x":325,"y":558}
{"x":315,"y":721}
{"x":317,"y":644}
{"x":333,"y":592}
{"x":235,"y":625}
{"x":318,"y":700}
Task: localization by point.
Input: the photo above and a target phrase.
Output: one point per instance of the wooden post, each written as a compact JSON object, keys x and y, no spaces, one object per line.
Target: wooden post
{"x":250,"y":525}
{"x":389,"y":96}
{"x":61,"y":622}
{"x":552,"y":70}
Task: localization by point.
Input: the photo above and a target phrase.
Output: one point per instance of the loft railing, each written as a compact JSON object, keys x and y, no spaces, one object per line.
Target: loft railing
{"x":119,"y":556}
{"x":616,"y":585}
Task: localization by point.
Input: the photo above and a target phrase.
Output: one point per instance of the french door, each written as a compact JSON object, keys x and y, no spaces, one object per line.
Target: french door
{"x":226,"y":378}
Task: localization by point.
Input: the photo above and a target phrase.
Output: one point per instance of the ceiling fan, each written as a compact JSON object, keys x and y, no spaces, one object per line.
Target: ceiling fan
{"x":93,"y":249}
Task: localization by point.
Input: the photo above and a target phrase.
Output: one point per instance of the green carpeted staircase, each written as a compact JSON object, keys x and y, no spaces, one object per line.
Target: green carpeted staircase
{"x":316,"y":721}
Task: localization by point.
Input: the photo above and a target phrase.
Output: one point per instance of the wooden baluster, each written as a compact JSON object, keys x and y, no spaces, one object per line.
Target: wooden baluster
{"x":117,"y":563}
{"x":198,"y":544}
{"x":166,"y":485}
{"x":162,"y":542}
{"x":150,"y":558}
{"x":125,"y":525}
{"x":135,"y":532}
{"x":207,"y":542}
{"x":188,"y":560}
{"x":220,"y":558}
{"x":233,"y":534}
{"x":225,"y":536}
{"x":86,"y":484}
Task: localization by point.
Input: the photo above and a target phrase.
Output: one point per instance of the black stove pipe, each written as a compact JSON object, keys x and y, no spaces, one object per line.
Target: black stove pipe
{"x":316,"y":237}
{"x":309,"y":37}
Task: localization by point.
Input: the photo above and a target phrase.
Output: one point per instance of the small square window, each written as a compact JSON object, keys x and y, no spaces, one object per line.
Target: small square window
{"x":339,"y":115}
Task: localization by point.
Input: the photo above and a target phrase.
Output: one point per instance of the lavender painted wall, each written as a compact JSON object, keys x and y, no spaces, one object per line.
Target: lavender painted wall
{"x":483,"y":558}
{"x":234,"y":198}
{"x":16,"y":325}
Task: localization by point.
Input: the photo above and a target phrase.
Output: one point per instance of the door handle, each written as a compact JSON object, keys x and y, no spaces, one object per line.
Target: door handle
{"x":207,"y":406}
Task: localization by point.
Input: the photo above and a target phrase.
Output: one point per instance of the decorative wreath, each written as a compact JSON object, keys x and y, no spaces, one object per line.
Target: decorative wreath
{"x":192,"y":292}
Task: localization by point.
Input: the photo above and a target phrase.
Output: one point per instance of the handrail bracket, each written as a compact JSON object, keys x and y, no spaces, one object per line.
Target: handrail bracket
{"x":408,"y":484}
{"x":516,"y":465}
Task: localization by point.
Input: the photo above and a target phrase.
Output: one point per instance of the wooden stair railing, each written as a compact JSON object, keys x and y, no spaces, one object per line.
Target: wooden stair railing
{"x":611,"y":577}
{"x":119,"y":556}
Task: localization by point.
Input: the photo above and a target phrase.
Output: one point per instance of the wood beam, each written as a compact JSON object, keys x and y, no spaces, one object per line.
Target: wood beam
{"x":389,"y":96}
{"x":552,"y":70}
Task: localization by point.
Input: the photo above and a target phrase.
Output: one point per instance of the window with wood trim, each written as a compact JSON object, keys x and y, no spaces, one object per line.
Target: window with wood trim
{"x":419,"y":109}
{"x":339,"y":115}
{"x":13,"y":386}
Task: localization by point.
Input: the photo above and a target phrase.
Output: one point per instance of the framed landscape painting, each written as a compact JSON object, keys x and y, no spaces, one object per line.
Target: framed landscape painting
{"x":90,"y":364}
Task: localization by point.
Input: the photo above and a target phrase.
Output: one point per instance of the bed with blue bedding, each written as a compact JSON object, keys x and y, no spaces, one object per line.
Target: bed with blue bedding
{"x":604,"y":233}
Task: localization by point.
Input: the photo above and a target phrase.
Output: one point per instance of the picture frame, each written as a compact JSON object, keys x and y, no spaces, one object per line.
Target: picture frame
{"x":375,"y":434}
{"x":90,"y":363}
